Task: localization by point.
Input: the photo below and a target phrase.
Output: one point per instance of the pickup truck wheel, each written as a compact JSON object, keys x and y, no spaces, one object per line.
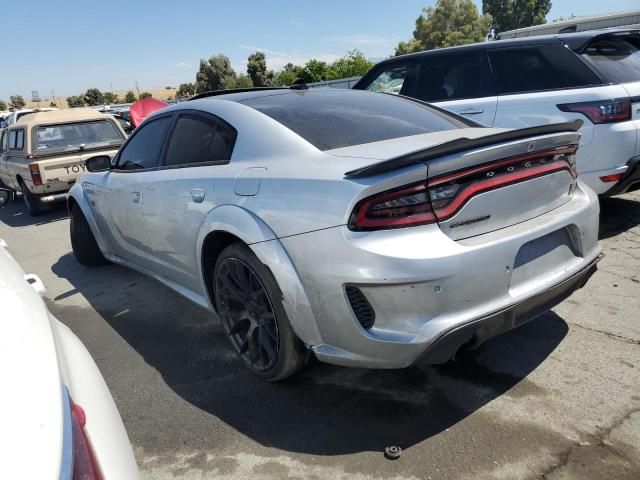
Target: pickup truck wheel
{"x":83,"y":243}
{"x":32,"y":202}
{"x":249,"y":303}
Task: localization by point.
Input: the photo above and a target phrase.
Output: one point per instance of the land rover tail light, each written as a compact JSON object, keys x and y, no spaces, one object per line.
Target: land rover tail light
{"x":601,"y":111}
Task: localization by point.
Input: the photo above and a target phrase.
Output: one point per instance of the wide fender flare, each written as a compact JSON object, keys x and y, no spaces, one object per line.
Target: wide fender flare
{"x":267,"y":247}
{"x":78,"y":195}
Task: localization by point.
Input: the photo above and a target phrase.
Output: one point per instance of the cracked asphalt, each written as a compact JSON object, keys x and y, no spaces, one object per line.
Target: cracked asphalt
{"x":558,"y":398}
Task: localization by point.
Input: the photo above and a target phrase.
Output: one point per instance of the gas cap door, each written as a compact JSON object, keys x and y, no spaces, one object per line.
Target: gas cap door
{"x":247,"y":182}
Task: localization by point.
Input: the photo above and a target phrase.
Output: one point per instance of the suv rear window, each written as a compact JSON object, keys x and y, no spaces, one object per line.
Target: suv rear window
{"x":340,"y":118}
{"x":617,"y":58}
{"x":538,"y":68}
{"x":72,"y":136}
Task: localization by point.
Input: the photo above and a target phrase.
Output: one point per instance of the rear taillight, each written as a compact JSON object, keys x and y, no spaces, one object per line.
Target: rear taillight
{"x":34,"y":169}
{"x":84,"y":462}
{"x":441,"y":197}
{"x":601,"y":111}
{"x":401,"y":207}
{"x":611,"y":178}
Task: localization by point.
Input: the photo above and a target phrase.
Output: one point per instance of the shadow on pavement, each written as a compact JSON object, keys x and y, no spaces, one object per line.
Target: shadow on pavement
{"x":325,"y":410}
{"x":15,"y":214}
{"x":618,"y":215}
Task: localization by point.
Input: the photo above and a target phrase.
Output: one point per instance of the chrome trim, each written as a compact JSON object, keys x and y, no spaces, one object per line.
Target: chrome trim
{"x":66,"y":464}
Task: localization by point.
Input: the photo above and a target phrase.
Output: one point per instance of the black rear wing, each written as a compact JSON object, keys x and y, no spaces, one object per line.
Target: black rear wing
{"x":460,"y":145}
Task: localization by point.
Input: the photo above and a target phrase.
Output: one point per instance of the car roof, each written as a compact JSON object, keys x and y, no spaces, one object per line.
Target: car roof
{"x":60,"y":116}
{"x":576,"y":41}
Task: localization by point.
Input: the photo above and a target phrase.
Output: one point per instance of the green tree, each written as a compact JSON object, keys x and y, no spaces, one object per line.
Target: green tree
{"x":130,"y":97}
{"x":242,"y":81}
{"x":257,"y":70}
{"x":109,"y":98}
{"x":144,"y":95}
{"x":353,"y":64}
{"x":186,"y":90}
{"x":93,"y":97}
{"x":449,"y":23}
{"x":215,"y":74}
{"x":3,"y":105}
{"x":76,"y":101}
{"x":316,"y":71}
{"x":289,"y":74}
{"x":512,"y":14}
{"x":16,"y":101}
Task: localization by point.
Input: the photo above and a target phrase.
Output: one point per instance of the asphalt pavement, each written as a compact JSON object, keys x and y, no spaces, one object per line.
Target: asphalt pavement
{"x":558,"y":398}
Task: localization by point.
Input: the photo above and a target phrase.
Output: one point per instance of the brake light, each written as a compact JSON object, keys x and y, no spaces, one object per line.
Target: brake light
{"x":401,"y":207}
{"x":611,"y":178}
{"x":602,"y":111}
{"x":441,"y":197}
{"x":84,"y":462}
{"x":34,"y":169}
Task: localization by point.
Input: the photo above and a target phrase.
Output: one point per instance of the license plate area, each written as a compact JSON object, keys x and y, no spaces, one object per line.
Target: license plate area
{"x":545,"y":259}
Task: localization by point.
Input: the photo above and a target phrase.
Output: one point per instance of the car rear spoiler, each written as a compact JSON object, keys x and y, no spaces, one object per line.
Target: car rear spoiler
{"x":459,"y":145}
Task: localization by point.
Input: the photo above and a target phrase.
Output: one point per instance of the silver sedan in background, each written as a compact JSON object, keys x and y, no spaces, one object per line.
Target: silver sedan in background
{"x":367,"y":229}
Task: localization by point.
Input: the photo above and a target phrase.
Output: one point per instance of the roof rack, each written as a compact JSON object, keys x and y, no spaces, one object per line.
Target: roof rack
{"x":215,"y":93}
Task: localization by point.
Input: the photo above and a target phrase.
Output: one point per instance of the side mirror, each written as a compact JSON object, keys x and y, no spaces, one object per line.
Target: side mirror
{"x":5,"y":196}
{"x":99,"y":163}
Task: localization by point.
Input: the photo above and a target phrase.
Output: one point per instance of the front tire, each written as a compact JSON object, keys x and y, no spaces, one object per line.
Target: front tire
{"x":249,"y":303}
{"x":83,"y":243}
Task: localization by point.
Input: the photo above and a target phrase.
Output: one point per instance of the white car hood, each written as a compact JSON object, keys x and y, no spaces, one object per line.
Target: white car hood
{"x":31,"y":407}
{"x":395,"y":147}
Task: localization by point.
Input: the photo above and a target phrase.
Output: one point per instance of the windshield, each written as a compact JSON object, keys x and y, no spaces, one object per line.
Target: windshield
{"x":74,"y":136}
{"x":617,"y":58}
{"x":334,"y":118}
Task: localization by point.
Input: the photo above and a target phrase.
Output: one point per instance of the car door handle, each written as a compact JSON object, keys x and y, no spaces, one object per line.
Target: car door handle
{"x":470,"y":111}
{"x":197,"y":195}
{"x":135,"y":197}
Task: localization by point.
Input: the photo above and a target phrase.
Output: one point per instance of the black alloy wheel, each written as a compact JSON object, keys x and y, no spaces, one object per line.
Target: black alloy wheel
{"x":247,"y":313}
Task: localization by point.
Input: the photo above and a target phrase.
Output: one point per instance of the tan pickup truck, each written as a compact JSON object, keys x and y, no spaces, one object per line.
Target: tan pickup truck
{"x":43,"y":153}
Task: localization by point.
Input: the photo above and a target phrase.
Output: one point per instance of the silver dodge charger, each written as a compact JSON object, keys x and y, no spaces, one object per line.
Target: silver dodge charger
{"x":366,"y":229}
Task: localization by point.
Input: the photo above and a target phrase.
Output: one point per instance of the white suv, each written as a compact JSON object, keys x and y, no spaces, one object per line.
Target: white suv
{"x":593,"y":76}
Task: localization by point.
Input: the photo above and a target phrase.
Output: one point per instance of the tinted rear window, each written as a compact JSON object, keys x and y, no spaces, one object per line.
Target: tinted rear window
{"x":335,"y":119}
{"x":617,"y":58}
{"x":537,"y":68}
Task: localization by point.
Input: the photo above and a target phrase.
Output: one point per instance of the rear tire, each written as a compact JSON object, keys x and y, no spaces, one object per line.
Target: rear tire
{"x":249,"y":303}
{"x":31,"y":201}
{"x":83,"y":243}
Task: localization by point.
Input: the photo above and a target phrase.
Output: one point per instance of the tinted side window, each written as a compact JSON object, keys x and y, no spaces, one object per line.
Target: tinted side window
{"x":3,"y":142}
{"x":144,"y":148}
{"x":618,"y":58}
{"x":394,"y":78}
{"x":531,"y":69}
{"x":198,"y":139}
{"x":454,"y":77}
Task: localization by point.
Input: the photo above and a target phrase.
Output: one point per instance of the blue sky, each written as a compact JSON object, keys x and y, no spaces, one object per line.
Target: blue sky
{"x":69,"y":46}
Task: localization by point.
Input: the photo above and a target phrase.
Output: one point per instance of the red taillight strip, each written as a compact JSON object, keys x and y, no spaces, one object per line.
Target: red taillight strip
{"x":362,"y":221}
{"x":492,"y":183}
{"x":485,"y":167}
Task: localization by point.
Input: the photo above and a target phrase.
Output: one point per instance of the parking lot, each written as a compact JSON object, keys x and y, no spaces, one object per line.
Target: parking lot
{"x":557,"y":398}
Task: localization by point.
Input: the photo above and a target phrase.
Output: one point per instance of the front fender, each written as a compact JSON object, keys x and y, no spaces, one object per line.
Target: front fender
{"x":77,"y":195}
{"x":265,"y":245}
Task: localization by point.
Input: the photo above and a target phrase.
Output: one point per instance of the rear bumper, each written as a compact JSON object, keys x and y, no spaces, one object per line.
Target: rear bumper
{"x":421,"y":284}
{"x":479,"y":331}
{"x":629,"y":182}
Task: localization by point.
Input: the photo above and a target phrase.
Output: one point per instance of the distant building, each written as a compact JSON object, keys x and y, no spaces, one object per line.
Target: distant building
{"x":630,"y":19}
